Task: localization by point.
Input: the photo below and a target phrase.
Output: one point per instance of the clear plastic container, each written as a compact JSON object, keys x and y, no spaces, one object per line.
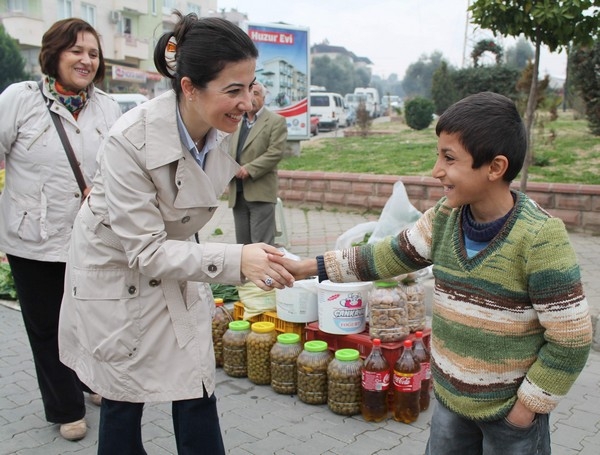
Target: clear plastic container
{"x":388,"y":315}
{"x":284,"y":355}
{"x":312,"y":366}
{"x":415,"y":302}
{"x":259,"y":343}
{"x":220,"y":324}
{"x":344,"y":382}
{"x":235,"y":362}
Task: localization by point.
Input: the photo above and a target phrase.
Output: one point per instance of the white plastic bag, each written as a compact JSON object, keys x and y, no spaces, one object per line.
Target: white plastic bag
{"x":397,"y":214}
{"x":255,"y":300}
{"x":354,"y":235}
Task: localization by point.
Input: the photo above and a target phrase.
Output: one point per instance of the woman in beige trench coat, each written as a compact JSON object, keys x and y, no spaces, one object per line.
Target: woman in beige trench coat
{"x":136,"y":318}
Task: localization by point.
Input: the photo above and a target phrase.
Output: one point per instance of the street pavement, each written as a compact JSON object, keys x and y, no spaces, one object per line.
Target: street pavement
{"x":257,"y":421}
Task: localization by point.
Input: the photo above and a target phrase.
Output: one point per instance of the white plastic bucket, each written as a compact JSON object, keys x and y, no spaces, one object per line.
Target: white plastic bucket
{"x":342,"y":307}
{"x":298,"y":303}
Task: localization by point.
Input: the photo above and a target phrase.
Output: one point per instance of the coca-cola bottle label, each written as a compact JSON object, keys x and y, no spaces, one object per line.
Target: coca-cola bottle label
{"x":375,"y":381}
{"x":407,"y":382}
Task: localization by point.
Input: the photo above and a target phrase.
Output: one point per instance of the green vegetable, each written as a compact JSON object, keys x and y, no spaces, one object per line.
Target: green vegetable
{"x":7,"y":284}
{"x":364,"y":241}
{"x":226,"y":292}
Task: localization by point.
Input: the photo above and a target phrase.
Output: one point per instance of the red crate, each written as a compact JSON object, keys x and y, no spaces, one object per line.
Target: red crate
{"x":361,"y":342}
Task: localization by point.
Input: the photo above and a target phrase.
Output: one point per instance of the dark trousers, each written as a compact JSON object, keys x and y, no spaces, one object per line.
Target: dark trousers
{"x":40,"y":288}
{"x":195,"y":424}
{"x":254,"y":221}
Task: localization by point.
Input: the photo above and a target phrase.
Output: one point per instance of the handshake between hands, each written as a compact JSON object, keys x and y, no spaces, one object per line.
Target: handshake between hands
{"x":269,"y":268}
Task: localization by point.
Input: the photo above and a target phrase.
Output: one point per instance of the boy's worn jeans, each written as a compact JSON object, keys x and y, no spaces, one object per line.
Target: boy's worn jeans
{"x":452,"y":434}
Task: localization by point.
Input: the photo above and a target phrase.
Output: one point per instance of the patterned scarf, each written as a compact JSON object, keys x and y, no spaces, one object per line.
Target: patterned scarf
{"x":73,"y":101}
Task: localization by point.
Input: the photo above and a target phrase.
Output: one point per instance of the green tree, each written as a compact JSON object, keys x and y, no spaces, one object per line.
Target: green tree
{"x":338,"y":75}
{"x":443,"y":91}
{"x":555,"y":24}
{"x":497,"y":78}
{"x":12,"y":64}
{"x":419,"y":113}
{"x":586,"y":80}
{"x":520,"y":54}
{"x":418,"y":76}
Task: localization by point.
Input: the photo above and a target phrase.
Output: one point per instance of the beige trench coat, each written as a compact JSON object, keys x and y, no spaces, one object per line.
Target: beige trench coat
{"x":135,"y":323}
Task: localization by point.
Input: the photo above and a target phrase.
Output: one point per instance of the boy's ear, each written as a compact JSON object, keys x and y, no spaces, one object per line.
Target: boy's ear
{"x":497,"y":168}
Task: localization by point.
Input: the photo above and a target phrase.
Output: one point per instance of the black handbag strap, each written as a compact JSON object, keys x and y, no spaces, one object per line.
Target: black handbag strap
{"x":66,"y":144}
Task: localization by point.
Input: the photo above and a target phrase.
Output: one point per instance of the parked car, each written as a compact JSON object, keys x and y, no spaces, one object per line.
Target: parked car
{"x":329,"y":108}
{"x":314,"y":125}
{"x":128,"y":100}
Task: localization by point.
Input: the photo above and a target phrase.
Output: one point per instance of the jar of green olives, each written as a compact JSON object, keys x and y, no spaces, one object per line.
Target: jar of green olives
{"x":259,"y":343}
{"x":284,"y":354}
{"x":234,"y":349}
{"x":344,"y":382}
{"x":312,"y":366}
{"x":220,"y":324}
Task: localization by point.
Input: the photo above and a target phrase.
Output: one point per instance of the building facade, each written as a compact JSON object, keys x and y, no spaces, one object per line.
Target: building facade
{"x":128,"y":29}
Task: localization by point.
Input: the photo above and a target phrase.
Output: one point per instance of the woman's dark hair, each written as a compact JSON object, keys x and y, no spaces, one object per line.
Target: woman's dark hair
{"x":61,"y":36}
{"x":204,"y":47}
{"x":488,"y":125}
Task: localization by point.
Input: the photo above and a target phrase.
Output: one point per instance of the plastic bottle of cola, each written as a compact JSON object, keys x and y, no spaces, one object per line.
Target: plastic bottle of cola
{"x":375,"y":383}
{"x":421,"y":353}
{"x":407,"y":386}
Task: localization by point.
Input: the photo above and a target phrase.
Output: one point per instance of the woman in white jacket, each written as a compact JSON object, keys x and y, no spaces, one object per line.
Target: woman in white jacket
{"x":136,"y":318}
{"x":41,"y":196}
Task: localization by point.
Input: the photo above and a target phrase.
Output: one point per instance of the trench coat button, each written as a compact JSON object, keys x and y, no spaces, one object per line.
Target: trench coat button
{"x":77,"y":131}
{"x":153,"y":282}
{"x":132,"y":290}
{"x":212,"y":268}
{"x":77,"y":195}
{"x":212,"y":209}
{"x":185,"y":219}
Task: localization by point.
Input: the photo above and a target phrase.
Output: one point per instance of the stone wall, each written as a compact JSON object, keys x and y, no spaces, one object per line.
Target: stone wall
{"x":577,"y":205}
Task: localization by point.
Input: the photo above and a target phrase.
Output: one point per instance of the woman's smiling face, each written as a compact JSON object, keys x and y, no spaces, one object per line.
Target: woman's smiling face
{"x":225,"y":99}
{"x":78,"y":64}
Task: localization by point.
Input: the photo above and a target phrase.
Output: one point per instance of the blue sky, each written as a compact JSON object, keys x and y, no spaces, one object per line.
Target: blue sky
{"x":391,"y":33}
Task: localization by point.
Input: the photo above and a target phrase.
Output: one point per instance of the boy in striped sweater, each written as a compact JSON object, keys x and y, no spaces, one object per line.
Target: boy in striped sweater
{"x":511,"y":329}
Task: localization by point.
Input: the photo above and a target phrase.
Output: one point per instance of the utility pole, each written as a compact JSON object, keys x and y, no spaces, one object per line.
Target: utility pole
{"x":464,"y":56}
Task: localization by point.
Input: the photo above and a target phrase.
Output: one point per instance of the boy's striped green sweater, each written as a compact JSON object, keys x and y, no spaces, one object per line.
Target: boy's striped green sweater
{"x":511,"y":321}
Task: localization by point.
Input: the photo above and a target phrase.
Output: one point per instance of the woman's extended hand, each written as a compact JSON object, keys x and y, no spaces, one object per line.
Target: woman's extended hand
{"x":266,"y":274}
{"x":301,"y":269}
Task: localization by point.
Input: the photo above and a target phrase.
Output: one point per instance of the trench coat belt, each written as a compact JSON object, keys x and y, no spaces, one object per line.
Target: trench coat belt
{"x":180,"y":319}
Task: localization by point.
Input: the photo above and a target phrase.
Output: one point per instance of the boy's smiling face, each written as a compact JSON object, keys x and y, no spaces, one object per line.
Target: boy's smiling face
{"x":454,"y":169}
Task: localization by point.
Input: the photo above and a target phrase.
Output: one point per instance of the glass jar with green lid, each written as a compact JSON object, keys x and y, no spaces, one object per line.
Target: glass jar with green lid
{"x":344,"y":382}
{"x":234,"y":349}
{"x":259,"y":343}
{"x":388,"y":314}
{"x":312,"y":366}
{"x":284,"y":354}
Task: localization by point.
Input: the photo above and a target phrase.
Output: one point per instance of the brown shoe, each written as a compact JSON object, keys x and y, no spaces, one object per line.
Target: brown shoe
{"x":96,"y":399}
{"x":73,"y":431}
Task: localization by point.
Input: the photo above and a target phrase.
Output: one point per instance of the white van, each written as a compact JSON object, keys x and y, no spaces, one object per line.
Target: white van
{"x":373,"y":94}
{"x":128,"y":100}
{"x":329,"y":108}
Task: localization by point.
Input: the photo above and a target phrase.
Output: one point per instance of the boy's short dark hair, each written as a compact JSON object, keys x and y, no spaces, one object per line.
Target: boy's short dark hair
{"x":488,"y":125}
